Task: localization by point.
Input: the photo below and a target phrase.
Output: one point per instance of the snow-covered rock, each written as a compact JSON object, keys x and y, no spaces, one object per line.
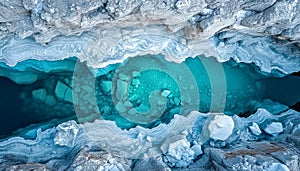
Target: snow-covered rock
{"x":100,"y":32}
{"x":274,"y":128}
{"x":99,"y":161}
{"x":66,"y":134}
{"x":221,"y":127}
{"x":255,"y":129}
{"x":179,"y":152}
{"x":277,"y":167}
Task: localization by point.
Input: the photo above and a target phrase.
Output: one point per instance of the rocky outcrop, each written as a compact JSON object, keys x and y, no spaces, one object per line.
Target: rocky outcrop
{"x":185,"y":142}
{"x":100,"y":32}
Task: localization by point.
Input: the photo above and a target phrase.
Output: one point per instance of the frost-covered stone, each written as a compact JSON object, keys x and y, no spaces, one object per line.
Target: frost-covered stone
{"x":255,"y":129}
{"x":151,"y":164}
{"x":278,"y":166}
{"x":257,"y":31}
{"x":148,"y":143}
{"x":99,"y":161}
{"x":197,"y":149}
{"x":29,"y":166}
{"x":249,"y":156}
{"x":141,"y":143}
{"x":66,"y":134}
{"x":274,"y":128}
{"x":221,"y":127}
{"x":179,"y":152}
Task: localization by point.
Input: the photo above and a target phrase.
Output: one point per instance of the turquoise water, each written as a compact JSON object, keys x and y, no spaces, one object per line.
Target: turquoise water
{"x":144,"y":91}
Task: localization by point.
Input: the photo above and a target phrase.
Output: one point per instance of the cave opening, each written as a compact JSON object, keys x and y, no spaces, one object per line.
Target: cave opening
{"x":144,"y":90}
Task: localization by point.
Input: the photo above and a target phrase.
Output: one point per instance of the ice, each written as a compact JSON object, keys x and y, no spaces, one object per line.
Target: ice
{"x":277,"y":167}
{"x":86,"y":34}
{"x":274,"y":128}
{"x":103,"y":32}
{"x":40,"y":94}
{"x":221,"y":127}
{"x":255,"y":129}
{"x":66,"y":134}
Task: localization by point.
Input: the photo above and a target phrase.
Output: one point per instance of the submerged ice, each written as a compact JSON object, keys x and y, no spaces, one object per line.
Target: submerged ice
{"x":117,"y":105}
{"x":146,"y":91}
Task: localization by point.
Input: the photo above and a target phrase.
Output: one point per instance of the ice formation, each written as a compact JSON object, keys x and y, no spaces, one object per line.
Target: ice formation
{"x":88,"y":68}
{"x":175,"y":140}
{"x":247,"y":31}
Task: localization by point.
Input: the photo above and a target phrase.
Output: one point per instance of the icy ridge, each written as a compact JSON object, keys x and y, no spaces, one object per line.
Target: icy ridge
{"x":176,"y":143}
{"x":106,"y":32}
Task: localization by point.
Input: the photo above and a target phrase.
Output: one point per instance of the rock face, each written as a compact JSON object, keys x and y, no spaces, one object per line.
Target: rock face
{"x":263,"y":32}
{"x":178,"y":153}
{"x":46,"y":20}
{"x":99,"y":161}
{"x":151,"y":164}
{"x":255,"y":156}
{"x":30,"y":166}
{"x":167,"y":146}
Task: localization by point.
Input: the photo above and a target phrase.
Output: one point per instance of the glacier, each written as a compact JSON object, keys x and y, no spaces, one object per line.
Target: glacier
{"x":85,"y":71}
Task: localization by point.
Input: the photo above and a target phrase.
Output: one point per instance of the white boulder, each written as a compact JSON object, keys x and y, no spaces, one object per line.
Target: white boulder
{"x":221,"y":127}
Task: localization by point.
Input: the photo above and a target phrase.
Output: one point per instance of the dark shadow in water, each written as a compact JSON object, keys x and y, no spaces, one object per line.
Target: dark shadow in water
{"x":285,"y":90}
{"x":12,"y":116}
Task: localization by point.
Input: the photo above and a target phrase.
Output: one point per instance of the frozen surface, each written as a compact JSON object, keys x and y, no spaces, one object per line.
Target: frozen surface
{"x":174,"y":142}
{"x":106,"y":32}
{"x":265,"y":33}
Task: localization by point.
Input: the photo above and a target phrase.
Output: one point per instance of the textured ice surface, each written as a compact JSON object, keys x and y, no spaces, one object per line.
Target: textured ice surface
{"x":220,"y":127}
{"x":102,"y":33}
{"x":173,"y":141}
{"x":265,"y":33}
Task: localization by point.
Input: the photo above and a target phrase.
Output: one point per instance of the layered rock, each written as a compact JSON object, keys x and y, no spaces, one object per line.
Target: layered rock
{"x":184,"y":142}
{"x":100,"y":32}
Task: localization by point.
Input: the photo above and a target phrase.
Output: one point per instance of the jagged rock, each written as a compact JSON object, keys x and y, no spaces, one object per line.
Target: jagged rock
{"x":253,"y":156}
{"x":237,"y":28}
{"x":29,"y":166}
{"x":178,"y":152}
{"x":278,"y":166}
{"x":66,"y":134}
{"x":151,"y":164}
{"x":263,"y":32}
{"x":203,"y":163}
{"x":104,"y":161}
{"x":255,"y":129}
{"x":274,"y":128}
